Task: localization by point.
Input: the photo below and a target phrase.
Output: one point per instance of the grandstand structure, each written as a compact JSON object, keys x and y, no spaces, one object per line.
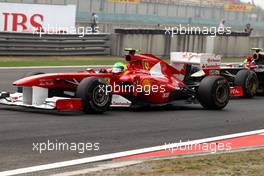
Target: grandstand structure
{"x":158,"y":13}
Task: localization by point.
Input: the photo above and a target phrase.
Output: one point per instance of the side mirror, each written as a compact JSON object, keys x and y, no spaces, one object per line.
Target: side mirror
{"x":128,"y":58}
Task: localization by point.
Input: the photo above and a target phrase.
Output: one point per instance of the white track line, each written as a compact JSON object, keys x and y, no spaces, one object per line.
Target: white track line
{"x":122,"y":154}
{"x":87,"y":66}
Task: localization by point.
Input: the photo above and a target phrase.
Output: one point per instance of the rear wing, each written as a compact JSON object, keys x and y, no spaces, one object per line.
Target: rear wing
{"x":258,"y":49}
{"x":203,"y":60}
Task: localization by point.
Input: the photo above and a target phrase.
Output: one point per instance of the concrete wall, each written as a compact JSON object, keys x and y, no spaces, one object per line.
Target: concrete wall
{"x":236,"y":46}
{"x":162,"y":45}
{"x":231,"y":46}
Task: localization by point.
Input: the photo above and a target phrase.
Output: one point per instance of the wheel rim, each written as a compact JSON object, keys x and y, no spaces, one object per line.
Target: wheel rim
{"x":252,"y":86}
{"x":100,"y":98}
{"x":221,"y":94}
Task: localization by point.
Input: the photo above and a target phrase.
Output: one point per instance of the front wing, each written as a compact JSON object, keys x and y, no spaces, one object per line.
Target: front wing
{"x":63,"y":103}
{"x":55,"y":103}
{"x":59,"y":103}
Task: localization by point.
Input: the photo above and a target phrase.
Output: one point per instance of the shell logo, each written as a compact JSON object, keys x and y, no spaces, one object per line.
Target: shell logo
{"x":108,"y":80}
{"x":146,"y":82}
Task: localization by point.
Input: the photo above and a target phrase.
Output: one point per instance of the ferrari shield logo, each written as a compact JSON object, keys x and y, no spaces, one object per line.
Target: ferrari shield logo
{"x":146,"y":65}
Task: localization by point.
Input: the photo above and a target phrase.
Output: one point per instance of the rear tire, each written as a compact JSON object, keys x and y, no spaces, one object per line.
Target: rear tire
{"x":94,"y":99}
{"x":20,"y":89}
{"x":213,"y":92}
{"x":248,"y":80}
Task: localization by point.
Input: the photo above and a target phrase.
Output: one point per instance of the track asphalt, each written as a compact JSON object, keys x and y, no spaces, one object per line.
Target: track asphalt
{"x":118,"y":130}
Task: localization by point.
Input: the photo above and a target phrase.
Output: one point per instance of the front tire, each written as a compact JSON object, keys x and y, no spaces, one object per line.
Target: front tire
{"x":213,"y":92}
{"x":95,"y":98}
{"x":249,"y":82}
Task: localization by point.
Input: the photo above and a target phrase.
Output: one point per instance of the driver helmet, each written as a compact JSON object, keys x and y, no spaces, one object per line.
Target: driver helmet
{"x":119,"y":67}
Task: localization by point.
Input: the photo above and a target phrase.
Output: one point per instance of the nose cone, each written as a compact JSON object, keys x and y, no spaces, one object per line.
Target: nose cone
{"x":28,"y":81}
{"x":35,"y":80}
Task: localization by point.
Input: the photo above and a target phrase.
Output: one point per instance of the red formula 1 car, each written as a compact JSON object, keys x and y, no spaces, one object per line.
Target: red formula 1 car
{"x":249,"y":74}
{"x":241,"y":78}
{"x":147,"y":80}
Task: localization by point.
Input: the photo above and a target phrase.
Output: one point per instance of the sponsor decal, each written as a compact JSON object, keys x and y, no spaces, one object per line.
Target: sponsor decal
{"x":214,"y":72}
{"x":187,"y":55}
{"x":17,"y":17}
{"x":125,"y":1}
{"x":166,"y":95}
{"x":108,"y":80}
{"x":210,"y":61}
{"x":46,"y":82}
{"x":146,"y":65}
{"x":259,"y":69}
{"x":236,"y":91}
{"x":238,"y":7}
{"x":146,"y":82}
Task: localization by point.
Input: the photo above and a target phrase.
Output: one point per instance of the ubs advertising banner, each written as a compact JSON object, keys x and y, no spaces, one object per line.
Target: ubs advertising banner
{"x":17,"y":17}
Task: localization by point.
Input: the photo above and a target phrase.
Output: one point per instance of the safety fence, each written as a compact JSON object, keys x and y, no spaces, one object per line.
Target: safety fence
{"x":26,"y":44}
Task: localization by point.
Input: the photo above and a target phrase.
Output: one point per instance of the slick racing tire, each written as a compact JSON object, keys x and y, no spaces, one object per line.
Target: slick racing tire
{"x":249,"y":82}
{"x":213,"y":92}
{"x":95,"y":98}
{"x":20,"y":89}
